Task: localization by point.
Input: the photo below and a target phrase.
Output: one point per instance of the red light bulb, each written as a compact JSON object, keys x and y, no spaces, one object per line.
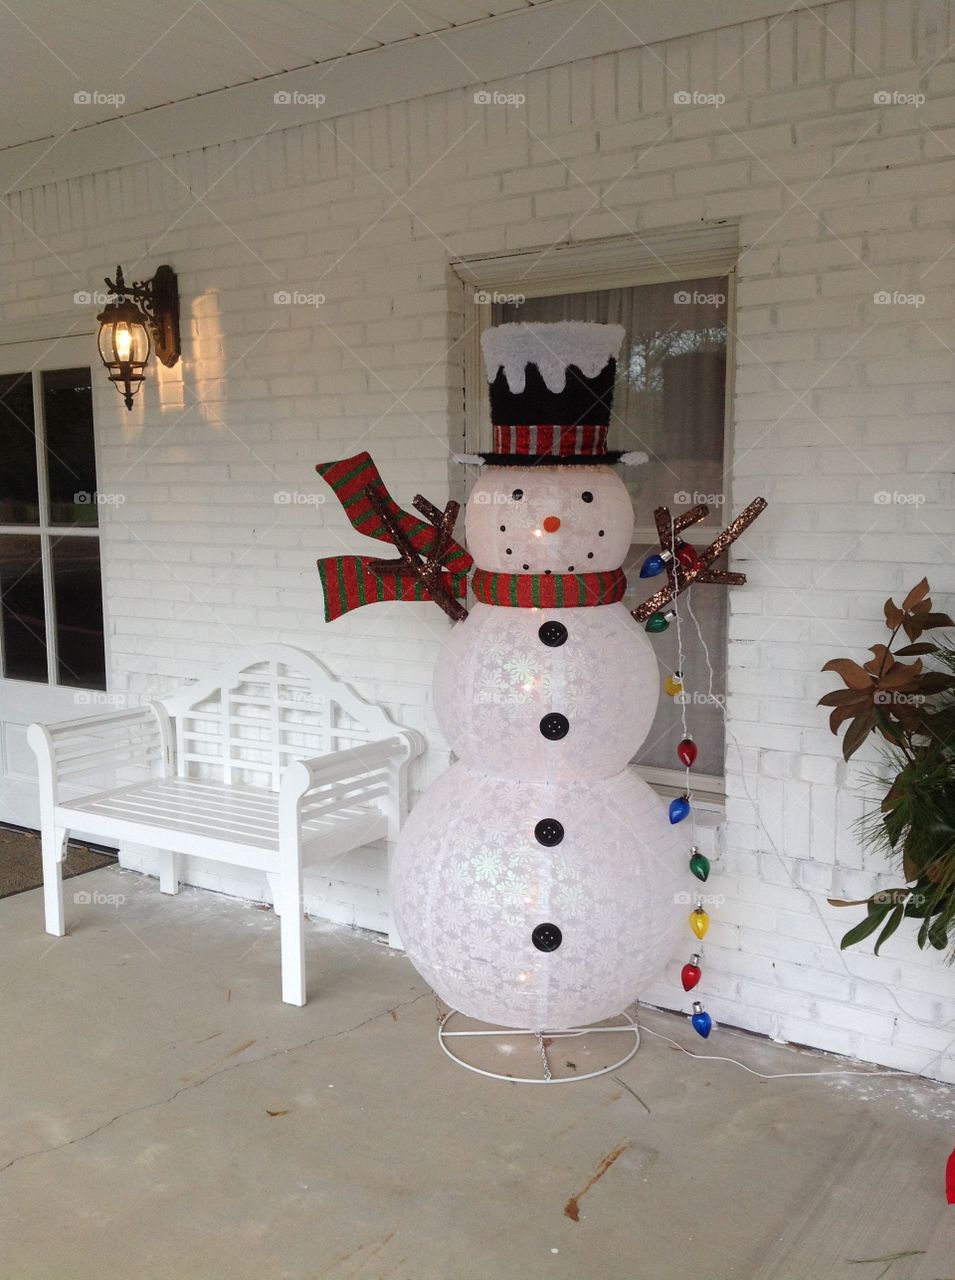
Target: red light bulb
{"x":687,"y":751}
{"x":686,"y":555}
{"x":691,"y":973}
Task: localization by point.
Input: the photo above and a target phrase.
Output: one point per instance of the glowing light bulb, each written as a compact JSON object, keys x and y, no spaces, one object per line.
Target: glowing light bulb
{"x":679,"y":809}
{"x":699,"y":922}
{"x":691,"y":973}
{"x":702,"y":1022}
{"x":674,"y":684}
{"x":124,"y":342}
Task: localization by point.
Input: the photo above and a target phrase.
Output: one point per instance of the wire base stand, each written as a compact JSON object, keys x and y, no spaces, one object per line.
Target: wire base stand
{"x":510,"y":1042}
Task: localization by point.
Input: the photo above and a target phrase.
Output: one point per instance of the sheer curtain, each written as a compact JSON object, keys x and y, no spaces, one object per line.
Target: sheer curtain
{"x":669,"y":402}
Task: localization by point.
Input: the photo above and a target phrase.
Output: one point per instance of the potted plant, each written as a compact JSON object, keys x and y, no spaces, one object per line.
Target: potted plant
{"x":912,"y":709}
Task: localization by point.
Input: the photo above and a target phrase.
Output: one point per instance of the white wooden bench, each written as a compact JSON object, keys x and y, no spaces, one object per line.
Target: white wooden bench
{"x":271,"y":764}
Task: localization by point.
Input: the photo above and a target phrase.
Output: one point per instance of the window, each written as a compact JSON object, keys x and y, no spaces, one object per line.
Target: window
{"x":51,"y":596}
{"x":669,"y":401}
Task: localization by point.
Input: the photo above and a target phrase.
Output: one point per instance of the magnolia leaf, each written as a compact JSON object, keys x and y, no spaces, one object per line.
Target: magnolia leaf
{"x":933,"y":682}
{"x":862,"y":930}
{"x":853,"y":675}
{"x":893,"y":922}
{"x":901,"y":674}
{"x":923,"y":607}
{"x":916,"y":595}
{"x":858,"y":731}
{"x":839,"y":716}
{"x":910,"y":650}
{"x":893,"y":614}
{"x":909,"y":865}
{"x":843,"y":698}
{"x":847,"y":902}
{"x":929,"y":621}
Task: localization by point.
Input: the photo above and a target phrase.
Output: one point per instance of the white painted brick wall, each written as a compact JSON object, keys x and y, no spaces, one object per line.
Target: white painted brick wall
{"x":837,"y":398}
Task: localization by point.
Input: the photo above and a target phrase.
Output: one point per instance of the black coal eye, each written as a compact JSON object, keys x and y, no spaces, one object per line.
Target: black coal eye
{"x":508,"y":550}
{"x":517,"y":495}
{"x":600,"y":533}
{"x":587,"y":496}
{"x":503,"y":529}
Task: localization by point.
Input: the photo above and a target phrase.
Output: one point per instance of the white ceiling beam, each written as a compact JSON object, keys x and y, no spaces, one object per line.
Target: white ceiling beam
{"x":502,"y":47}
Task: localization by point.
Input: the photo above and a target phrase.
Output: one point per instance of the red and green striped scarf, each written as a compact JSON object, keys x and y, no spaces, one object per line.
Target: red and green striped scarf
{"x":548,"y":590}
{"x":348,"y":582}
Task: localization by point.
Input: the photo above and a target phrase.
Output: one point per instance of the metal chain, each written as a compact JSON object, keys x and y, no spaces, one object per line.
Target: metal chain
{"x":540,"y":1044}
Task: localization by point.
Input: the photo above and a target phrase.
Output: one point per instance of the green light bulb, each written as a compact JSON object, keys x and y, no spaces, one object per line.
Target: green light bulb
{"x":699,"y":864}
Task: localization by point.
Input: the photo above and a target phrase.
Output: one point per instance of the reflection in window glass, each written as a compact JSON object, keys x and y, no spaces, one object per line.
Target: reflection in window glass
{"x":19,"y":501}
{"x":669,"y":402}
{"x":21,"y":608}
{"x":78,"y":602}
{"x":70,"y":459}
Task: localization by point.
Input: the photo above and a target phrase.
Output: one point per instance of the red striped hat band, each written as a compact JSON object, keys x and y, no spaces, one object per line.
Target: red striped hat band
{"x":540,"y":440}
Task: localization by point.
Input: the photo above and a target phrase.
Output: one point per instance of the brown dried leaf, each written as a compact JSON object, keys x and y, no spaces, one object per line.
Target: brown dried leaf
{"x":852,"y":674}
{"x":276,"y":1113}
{"x":929,"y":621}
{"x":916,"y":595}
{"x":893,"y":614}
{"x":857,"y":732}
{"x":843,"y":698}
{"x":840,"y":715}
{"x":910,"y":650}
{"x":901,"y":674}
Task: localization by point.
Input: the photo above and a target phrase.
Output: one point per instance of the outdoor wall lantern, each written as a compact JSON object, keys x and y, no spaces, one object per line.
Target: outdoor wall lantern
{"x":138,"y":311}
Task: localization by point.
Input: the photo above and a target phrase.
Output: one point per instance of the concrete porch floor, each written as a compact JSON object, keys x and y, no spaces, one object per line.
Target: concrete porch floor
{"x":143,"y":1055}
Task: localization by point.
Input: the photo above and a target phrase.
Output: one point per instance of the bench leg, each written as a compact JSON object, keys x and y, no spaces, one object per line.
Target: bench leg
{"x":168,"y":872}
{"x":289,"y":899}
{"x":54,"y":841}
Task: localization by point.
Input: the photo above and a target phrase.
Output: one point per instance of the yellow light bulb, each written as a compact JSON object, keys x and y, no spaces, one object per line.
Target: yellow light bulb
{"x":699,"y":922}
{"x":124,"y":342}
{"x":673,"y":684}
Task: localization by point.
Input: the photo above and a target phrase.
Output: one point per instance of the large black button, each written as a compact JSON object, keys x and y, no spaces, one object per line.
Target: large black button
{"x":549,"y":832}
{"x":553,"y":634}
{"x":547,"y":937}
{"x":555,"y":726}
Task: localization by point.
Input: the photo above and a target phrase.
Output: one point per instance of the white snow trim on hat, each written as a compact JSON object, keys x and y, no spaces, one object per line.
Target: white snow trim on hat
{"x":468,"y":459}
{"x":551,"y":347}
{"x":635,"y":459}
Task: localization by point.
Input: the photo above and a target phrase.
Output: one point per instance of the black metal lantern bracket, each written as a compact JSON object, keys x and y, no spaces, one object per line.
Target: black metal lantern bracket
{"x":158,"y":300}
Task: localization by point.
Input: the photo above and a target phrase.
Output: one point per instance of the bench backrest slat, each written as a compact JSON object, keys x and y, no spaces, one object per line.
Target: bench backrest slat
{"x":274,"y":705}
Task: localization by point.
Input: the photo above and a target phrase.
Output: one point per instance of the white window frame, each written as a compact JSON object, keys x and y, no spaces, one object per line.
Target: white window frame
{"x":616,"y":263}
{"x":49,"y":533}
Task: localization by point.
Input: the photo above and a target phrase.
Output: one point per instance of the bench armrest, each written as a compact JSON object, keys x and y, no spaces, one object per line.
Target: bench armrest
{"x":73,"y":749}
{"x":372,"y":772}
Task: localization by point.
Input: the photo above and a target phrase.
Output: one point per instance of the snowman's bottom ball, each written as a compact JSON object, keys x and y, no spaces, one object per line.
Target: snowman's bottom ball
{"x":535,"y":905}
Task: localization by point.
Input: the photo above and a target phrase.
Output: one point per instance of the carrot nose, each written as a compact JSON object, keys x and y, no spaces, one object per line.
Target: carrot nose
{"x":551,"y":524}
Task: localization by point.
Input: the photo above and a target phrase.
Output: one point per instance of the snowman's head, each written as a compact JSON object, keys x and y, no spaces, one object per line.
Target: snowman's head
{"x":559,"y":519}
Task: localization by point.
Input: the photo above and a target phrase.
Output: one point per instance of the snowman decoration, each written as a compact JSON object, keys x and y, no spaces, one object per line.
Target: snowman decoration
{"x":537,"y":884}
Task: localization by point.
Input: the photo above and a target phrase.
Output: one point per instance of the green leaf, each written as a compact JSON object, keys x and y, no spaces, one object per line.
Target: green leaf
{"x":862,"y":930}
{"x":893,"y":922}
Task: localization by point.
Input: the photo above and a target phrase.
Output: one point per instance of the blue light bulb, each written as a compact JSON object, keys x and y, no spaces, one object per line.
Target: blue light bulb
{"x":653,"y":565}
{"x":679,"y":809}
{"x":702,"y":1022}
